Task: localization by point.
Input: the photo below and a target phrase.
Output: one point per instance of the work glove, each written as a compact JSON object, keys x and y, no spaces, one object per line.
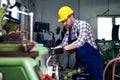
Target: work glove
{"x":59,"y":51}
{"x":56,"y":51}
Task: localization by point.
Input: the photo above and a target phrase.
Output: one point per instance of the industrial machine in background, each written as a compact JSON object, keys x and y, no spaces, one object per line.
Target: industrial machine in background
{"x":110,"y":50}
{"x":43,"y":34}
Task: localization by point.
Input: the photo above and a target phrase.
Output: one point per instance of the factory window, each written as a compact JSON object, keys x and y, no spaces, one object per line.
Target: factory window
{"x":104,"y":28}
{"x":117,"y":21}
{"x":105,"y":25}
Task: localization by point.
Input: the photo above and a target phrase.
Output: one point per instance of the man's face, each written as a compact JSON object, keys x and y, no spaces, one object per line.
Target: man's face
{"x":68,"y":22}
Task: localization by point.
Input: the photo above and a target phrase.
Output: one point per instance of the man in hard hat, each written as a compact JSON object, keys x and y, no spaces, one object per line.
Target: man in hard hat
{"x":79,"y":37}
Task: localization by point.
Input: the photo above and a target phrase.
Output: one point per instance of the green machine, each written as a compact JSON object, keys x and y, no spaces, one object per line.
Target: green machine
{"x":19,"y":69}
{"x":17,"y":64}
{"x":17,"y":61}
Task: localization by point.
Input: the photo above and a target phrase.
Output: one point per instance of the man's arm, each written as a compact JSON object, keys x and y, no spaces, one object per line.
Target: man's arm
{"x":70,"y":47}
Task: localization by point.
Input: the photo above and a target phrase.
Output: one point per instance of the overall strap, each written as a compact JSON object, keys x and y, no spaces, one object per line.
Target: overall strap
{"x":69,"y":37}
{"x":70,"y":30}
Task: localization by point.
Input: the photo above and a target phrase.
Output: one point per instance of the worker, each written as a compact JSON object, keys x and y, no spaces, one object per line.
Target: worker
{"x":79,"y":38}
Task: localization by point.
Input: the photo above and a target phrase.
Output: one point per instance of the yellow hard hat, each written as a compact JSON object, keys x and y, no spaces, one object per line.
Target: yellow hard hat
{"x":64,"y":12}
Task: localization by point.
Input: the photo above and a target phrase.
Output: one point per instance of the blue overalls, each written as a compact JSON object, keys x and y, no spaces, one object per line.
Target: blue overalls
{"x":90,"y":58}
